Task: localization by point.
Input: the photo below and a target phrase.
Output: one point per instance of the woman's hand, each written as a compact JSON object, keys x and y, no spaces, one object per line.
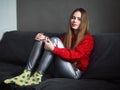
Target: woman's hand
{"x":40,"y":36}
{"x":49,"y":45}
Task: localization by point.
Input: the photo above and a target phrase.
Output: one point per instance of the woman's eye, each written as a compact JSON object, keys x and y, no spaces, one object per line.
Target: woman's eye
{"x":73,"y":17}
{"x":79,"y":18}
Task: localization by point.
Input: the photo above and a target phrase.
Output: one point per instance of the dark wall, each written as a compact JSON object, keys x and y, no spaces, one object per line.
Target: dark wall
{"x":53,"y":15}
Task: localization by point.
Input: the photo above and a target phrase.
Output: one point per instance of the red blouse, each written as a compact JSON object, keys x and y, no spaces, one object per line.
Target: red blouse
{"x":80,"y":54}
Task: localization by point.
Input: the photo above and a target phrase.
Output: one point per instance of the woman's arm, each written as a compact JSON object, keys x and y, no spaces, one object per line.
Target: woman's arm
{"x":81,"y":51}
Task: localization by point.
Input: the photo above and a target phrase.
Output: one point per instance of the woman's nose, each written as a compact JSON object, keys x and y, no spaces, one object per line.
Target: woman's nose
{"x":75,"y":20}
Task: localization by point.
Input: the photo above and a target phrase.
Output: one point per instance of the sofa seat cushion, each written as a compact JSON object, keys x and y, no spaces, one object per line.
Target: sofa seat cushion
{"x":9,"y":70}
{"x":70,"y":84}
{"x":82,"y":84}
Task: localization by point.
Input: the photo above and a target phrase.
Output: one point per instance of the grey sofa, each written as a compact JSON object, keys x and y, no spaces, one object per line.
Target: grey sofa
{"x":103,"y":72}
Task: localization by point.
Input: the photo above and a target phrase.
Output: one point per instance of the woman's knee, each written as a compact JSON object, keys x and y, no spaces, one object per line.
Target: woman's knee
{"x":55,"y":39}
{"x":57,"y":42}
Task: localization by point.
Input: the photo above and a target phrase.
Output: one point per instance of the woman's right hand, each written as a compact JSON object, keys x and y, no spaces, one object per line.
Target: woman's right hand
{"x":40,"y":36}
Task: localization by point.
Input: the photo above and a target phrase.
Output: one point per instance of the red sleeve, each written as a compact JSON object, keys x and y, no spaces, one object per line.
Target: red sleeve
{"x":81,"y":51}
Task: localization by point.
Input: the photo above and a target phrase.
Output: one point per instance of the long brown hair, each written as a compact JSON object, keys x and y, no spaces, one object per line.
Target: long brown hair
{"x":82,"y":31}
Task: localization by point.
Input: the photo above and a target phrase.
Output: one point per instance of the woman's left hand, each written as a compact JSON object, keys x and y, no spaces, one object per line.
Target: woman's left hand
{"x":49,"y":45}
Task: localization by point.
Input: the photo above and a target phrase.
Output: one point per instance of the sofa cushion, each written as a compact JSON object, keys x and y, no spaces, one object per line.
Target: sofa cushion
{"x":9,"y":70}
{"x":16,"y":46}
{"x":105,"y":59}
{"x":70,"y":84}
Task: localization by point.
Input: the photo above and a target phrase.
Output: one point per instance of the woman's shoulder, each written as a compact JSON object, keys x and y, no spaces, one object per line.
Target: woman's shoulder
{"x":89,"y":35}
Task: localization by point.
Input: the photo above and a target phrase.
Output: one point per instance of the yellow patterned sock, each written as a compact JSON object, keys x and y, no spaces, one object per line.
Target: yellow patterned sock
{"x":20,"y":80}
{"x":35,"y":79}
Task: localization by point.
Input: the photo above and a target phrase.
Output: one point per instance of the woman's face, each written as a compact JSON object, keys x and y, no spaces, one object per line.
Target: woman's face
{"x":76,"y":20}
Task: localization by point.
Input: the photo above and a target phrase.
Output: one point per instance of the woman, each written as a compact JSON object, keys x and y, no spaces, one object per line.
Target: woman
{"x":70,"y":54}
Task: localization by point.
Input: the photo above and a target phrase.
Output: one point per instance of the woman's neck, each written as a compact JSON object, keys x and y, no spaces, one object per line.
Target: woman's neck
{"x":75,"y":32}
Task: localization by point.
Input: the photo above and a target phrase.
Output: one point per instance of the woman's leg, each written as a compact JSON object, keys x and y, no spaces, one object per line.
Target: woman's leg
{"x":65,"y":68}
{"x":45,"y":61}
{"x":34,"y":55}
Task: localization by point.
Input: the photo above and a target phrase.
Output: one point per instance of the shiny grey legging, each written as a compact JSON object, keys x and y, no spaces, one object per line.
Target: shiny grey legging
{"x":63,"y":67}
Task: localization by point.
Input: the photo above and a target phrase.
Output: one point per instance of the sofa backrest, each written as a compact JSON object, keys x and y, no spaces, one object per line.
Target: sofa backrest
{"x":16,"y":46}
{"x":105,"y":59}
